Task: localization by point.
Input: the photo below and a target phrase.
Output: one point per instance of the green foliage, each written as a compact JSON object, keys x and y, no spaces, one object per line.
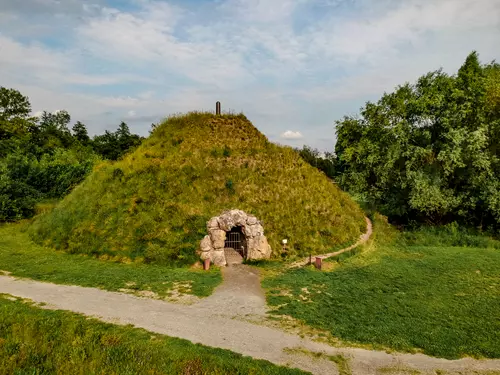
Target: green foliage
{"x":429,"y":151}
{"x":327,"y":163}
{"x":13,"y":104}
{"x":415,"y":291}
{"x":40,"y":341}
{"x":166,"y":191}
{"x":40,"y":158}
{"x":80,"y":133}
{"x":113,"y":146}
{"x":17,"y":199}
{"x":25,"y":259}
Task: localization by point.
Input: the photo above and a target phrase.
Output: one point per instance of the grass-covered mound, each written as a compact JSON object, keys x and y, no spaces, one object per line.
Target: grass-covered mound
{"x":156,"y":201}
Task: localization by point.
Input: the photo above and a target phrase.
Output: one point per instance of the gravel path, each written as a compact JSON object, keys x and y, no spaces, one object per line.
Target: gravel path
{"x":224,"y":320}
{"x":362,"y":239}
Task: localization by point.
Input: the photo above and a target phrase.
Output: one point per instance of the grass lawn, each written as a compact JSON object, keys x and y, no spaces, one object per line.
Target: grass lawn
{"x":419,"y":291}
{"x":20,"y":256}
{"x":37,"y":341}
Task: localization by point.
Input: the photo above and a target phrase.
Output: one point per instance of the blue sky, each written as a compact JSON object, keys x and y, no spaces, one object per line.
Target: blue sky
{"x":292,"y":66}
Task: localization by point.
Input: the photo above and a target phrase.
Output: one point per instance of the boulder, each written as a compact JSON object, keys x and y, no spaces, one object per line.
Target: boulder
{"x":239,"y":218}
{"x":252,"y":220}
{"x":206,"y":255}
{"x":258,"y":248}
{"x":253,"y":230}
{"x":206,"y":244}
{"x":226,"y":222}
{"x":213,"y":223}
{"x":218,"y":258}
{"x":218,"y":237}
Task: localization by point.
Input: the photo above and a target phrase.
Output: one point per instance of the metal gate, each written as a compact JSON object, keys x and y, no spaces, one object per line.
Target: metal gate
{"x":234,"y":240}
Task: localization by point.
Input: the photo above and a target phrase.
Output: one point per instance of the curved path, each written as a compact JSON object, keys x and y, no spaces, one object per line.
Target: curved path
{"x":224,"y":320}
{"x":362,"y":239}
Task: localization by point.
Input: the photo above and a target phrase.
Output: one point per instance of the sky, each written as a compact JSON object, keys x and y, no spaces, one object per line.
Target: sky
{"x":293,"y":67}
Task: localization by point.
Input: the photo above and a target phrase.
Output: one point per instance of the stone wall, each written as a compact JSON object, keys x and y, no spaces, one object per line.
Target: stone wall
{"x":212,"y":246}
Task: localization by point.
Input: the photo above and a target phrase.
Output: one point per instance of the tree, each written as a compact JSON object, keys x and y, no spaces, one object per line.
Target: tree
{"x":13,"y":104}
{"x":114,"y":145}
{"x":14,"y":115}
{"x":326,"y":162}
{"x":80,"y":133}
{"x":428,"y":151}
{"x":41,"y":158}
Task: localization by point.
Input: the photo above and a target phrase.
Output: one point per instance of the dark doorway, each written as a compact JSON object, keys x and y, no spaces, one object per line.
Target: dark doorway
{"x":235,"y":239}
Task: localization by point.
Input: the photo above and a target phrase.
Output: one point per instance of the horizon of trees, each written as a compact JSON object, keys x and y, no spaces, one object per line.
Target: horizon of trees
{"x":426,"y":153}
{"x":41,"y":158}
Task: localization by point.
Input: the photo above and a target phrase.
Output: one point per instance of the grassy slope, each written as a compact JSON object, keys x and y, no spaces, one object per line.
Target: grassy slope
{"x":155,"y":203}
{"x":414,"y":291}
{"x":25,"y":259}
{"x":36,"y":341}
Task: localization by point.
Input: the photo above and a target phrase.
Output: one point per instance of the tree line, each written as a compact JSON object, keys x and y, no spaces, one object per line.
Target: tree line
{"x":41,"y":158}
{"x":429,"y":152}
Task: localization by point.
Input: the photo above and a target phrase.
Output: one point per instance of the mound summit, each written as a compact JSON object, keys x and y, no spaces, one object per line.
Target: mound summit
{"x":155,"y":204}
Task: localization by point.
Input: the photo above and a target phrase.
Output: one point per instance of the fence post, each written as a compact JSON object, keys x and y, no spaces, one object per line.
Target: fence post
{"x":319,"y":261}
{"x":217,"y":108}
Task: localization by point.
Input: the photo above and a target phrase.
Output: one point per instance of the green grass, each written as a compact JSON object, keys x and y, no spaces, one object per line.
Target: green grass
{"x":154,"y":204}
{"x":407,"y":292}
{"x":19,"y":255}
{"x":37,"y":341}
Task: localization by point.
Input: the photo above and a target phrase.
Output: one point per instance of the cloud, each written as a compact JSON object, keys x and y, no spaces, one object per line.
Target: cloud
{"x":288,"y":64}
{"x":289,"y":134}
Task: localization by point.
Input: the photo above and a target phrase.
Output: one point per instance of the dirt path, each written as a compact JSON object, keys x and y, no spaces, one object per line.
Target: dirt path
{"x":222,"y":321}
{"x":362,"y":239}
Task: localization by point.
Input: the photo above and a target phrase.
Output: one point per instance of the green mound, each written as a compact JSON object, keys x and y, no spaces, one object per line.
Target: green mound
{"x":155,"y":202}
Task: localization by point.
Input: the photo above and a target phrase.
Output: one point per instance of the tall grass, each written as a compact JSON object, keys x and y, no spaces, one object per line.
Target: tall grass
{"x":155,"y":203}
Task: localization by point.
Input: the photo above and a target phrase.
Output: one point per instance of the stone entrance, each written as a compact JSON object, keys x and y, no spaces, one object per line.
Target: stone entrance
{"x":232,"y":229}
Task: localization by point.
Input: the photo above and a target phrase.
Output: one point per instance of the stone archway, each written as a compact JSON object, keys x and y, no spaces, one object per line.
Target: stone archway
{"x":212,"y":246}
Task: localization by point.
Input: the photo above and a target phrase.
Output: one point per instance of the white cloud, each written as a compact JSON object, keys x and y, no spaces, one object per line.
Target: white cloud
{"x":289,"y":134}
{"x":264,"y":58}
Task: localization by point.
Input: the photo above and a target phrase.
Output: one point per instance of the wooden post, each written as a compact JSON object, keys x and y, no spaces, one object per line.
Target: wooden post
{"x":319,"y":261}
{"x":217,"y":108}
{"x":206,"y":264}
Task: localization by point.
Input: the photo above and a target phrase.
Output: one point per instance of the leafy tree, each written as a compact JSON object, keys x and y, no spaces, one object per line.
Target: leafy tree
{"x":80,"y":133}
{"x":326,"y":162}
{"x":428,"y":151}
{"x":13,"y":104}
{"x":14,"y":119}
{"x":114,"y":145}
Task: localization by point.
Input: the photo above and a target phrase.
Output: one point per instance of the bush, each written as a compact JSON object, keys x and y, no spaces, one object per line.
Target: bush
{"x":17,"y":199}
